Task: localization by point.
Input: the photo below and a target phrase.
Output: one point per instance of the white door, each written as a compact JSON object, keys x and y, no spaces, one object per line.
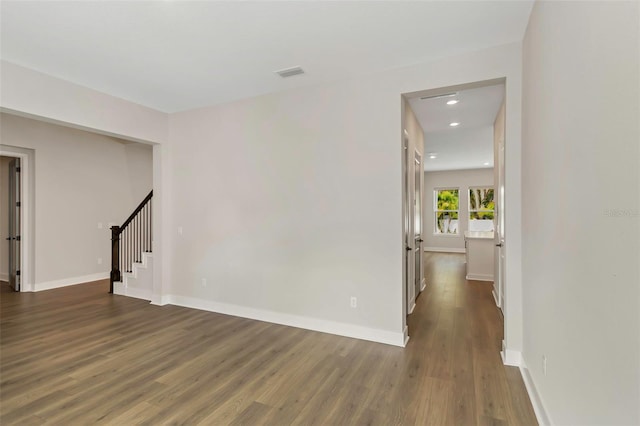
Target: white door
{"x":14,"y":224}
{"x":499,"y":260}
{"x":417,"y":225}
{"x":409,"y":257}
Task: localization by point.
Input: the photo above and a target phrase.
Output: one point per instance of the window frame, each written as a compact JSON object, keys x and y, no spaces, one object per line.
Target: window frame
{"x":470,"y":211}
{"x":436,"y":211}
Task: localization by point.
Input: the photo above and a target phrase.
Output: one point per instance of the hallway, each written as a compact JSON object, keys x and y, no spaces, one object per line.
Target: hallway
{"x":457,"y":324}
{"x":79,"y":355}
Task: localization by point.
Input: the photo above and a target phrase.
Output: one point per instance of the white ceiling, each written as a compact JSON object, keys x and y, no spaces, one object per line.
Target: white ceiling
{"x":179,"y":55}
{"x":468,"y":145}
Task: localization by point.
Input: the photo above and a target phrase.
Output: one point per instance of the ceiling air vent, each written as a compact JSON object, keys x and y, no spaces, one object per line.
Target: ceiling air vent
{"x":290,"y":72}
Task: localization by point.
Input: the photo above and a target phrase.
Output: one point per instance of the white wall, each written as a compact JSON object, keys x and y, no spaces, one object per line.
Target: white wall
{"x":25,"y":91}
{"x":275,"y":197}
{"x":362,"y":118}
{"x":81,"y":179}
{"x":4,"y":218}
{"x":581,"y":226}
{"x":463,"y":180}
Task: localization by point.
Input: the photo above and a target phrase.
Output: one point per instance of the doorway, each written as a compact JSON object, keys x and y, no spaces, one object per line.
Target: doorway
{"x":13,"y":191}
{"x":16,"y":217}
{"x":459,"y":112}
{"x":412,"y":207}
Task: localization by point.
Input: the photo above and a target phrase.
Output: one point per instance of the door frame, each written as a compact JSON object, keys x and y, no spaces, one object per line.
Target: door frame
{"x":507,"y":359}
{"x":27,"y":216}
{"x":409,"y":296}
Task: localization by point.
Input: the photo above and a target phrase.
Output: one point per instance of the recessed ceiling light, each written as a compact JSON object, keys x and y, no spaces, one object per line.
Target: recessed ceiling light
{"x":452,"y":102}
{"x":486,"y":163}
{"x":454,"y":124}
{"x":432,"y":156}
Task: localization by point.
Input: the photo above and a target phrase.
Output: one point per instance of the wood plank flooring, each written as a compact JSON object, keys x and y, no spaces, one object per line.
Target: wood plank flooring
{"x":78,"y":356}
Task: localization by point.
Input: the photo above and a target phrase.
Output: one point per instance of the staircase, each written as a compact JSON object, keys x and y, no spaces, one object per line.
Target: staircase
{"x":131,"y":253}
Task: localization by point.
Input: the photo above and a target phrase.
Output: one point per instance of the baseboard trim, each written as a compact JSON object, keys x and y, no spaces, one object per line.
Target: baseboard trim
{"x":307,"y":323}
{"x":423,"y":285}
{"x":445,"y":249}
{"x":406,"y":335}
{"x":538,"y":407}
{"x":4,"y":277}
{"x":511,"y":357}
{"x":413,"y":306}
{"x":138,"y":293}
{"x":479,"y":277}
{"x":160,"y":300}
{"x":65,"y":282}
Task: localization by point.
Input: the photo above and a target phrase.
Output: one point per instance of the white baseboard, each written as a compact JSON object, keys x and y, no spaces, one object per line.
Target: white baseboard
{"x":48,"y":285}
{"x":511,"y":357}
{"x":538,"y":407}
{"x":4,"y":276}
{"x":413,"y":306}
{"x":406,"y":335}
{"x":307,"y":323}
{"x":480,"y":277}
{"x":161,"y":300}
{"x":138,"y":293}
{"x":423,"y":285}
{"x":445,"y":249}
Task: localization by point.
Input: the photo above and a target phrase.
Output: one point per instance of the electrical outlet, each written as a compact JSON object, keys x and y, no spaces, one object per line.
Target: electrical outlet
{"x":99,"y":261}
{"x":354,"y":302}
{"x":544,"y":365}
{"x":204,"y":282}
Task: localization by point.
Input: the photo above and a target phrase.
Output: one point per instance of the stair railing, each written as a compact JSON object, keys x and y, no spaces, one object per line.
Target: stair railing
{"x":131,"y":240}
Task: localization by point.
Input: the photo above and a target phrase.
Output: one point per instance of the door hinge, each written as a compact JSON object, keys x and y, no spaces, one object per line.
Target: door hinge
{"x":18,"y":272}
{"x":18,"y":204}
{"x":18,"y":238}
{"x":17,"y":169}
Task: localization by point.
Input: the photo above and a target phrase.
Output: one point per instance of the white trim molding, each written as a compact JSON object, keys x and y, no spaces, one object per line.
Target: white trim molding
{"x":445,"y":249}
{"x":122,"y":289}
{"x":307,"y":323}
{"x":480,"y":277}
{"x":4,"y":276}
{"x":538,"y":407}
{"x":48,"y":285}
{"x":511,"y":357}
{"x":161,"y":300}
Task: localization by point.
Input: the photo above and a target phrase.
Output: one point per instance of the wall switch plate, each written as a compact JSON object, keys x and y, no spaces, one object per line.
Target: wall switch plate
{"x":544,"y":365}
{"x":204,"y":282}
{"x":354,"y":302}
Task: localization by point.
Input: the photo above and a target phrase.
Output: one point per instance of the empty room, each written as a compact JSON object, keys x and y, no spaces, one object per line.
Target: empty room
{"x":227,"y":213}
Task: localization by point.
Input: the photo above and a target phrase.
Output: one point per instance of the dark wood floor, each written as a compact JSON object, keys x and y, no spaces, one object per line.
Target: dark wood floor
{"x":78,"y":355}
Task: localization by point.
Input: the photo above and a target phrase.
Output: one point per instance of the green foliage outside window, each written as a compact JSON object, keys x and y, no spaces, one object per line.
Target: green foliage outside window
{"x":481,"y":204}
{"x":447,"y":205}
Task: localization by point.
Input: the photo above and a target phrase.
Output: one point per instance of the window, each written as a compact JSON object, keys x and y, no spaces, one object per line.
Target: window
{"x":481,"y":209}
{"x":446,"y":203}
